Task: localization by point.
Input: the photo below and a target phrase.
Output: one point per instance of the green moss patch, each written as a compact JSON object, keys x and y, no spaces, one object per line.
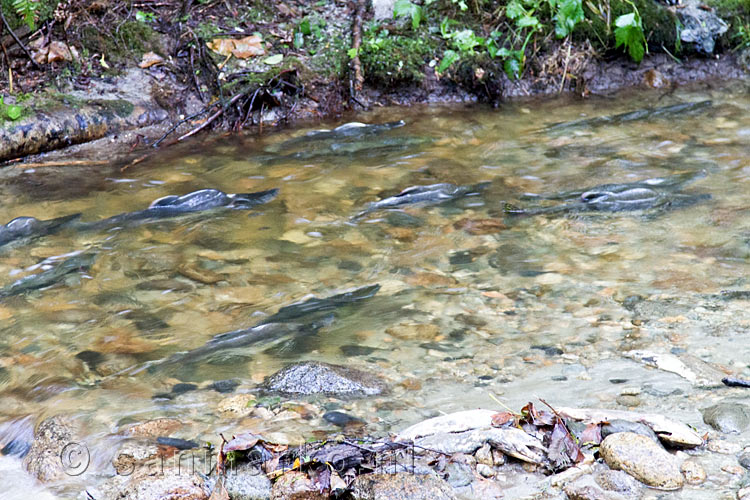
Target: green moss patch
{"x":395,"y":59}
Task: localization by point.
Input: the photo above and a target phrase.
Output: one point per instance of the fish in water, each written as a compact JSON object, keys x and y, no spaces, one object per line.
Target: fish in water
{"x":351,"y":129}
{"x":174,"y":206}
{"x":655,"y":193}
{"x":279,"y":327}
{"x":26,"y":228}
{"x":315,"y":305}
{"x":77,"y":263}
{"x":363,"y":140}
{"x":681,"y":109}
{"x":434,"y":194}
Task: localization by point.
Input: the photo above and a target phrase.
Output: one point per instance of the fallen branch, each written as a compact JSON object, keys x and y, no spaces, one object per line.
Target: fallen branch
{"x":18,"y":41}
{"x":211,"y":118}
{"x":359,"y":80}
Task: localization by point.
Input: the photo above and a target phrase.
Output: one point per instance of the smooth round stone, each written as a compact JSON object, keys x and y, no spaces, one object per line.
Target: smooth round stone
{"x":729,"y":418}
{"x":693,"y":471}
{"x":744,"y":458}
{"x":643,"y":459}
{"x":341,"y":419}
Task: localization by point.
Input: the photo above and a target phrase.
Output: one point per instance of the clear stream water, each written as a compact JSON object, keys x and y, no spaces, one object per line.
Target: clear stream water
{"x":543,"y":306}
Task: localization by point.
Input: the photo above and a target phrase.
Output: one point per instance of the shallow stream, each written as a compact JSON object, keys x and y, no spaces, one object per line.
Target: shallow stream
{"x":475,"y":304}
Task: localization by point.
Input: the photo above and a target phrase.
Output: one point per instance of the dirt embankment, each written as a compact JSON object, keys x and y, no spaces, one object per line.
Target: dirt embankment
{"x":159,"y":72}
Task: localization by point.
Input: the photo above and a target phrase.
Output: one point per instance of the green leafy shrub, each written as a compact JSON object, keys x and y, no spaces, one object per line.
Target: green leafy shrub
{"x":629,"y":33}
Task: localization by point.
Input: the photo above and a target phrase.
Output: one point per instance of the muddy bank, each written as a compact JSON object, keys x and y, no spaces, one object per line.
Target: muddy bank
{"x":160,"y":78}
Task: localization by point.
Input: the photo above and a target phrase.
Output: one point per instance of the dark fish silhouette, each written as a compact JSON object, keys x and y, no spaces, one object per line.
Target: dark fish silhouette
{"x":27,"y":228}
{"x":687,"y":108}
{"x":433,"y":194}
{"x":174,"y":206}
{"x":77,"y":263}
{"x":278,"y":327}
{"x":656,"y":193}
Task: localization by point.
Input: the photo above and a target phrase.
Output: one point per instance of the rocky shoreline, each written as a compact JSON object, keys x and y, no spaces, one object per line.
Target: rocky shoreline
{"x":539,"y":452}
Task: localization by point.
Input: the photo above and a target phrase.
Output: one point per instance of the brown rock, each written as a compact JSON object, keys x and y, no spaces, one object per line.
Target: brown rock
{"x":693,"y":471}
{"x":480,"y":226}
{"x":643,"y":459}
{"x":154,"y":428}
{"x":410,"y":331}
{"x":295,"y":485}
{"x":430,"y":279}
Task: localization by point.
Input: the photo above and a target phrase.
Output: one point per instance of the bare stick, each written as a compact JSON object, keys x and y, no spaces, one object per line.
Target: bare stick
{"x":18,"y":41}
{"x":210,"y":119}
{"x":359,"y":80}
{"x":565,"y":72}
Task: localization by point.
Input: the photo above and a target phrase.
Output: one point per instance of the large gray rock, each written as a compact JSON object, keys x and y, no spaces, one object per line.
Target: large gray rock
{"x":401,"y":486}
{"x":643,"y":459}
{"x":730,"y":418}
{"x":700,"y":27}
{"x":313,"y":377}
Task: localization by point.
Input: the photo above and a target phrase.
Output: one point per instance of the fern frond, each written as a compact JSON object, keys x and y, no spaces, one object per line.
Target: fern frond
{"x":26,"y":9}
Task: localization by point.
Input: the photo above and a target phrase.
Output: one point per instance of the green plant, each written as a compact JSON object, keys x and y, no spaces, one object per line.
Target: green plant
{"x":568,"y":13}
{"x":11,"y":112}
{"x":742,"y":34}
{"x":629,"y":33}
{"x":144,"y":17}
{"x":308,"y":26}
{"x":404,"y":8}
{"x":26,"y":10}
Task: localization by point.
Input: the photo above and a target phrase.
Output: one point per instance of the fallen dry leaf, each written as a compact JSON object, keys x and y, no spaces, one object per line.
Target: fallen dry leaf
{"x":243,"y":48}
{"x":150,"y":59}
{"x":222,"y":46}
{"x":248,"y":47}
{"x":58,"y":51}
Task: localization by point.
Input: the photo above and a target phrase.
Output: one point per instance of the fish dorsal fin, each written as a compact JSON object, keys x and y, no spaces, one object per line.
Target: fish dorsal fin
{"x":164,"y":201}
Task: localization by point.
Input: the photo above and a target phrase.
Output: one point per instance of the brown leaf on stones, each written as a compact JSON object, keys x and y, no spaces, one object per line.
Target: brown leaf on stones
{"x":536,"y":417}
{"x":150,"y":59}
{"x":243,"y":48}
{"x":503,"y":418}
{"x":563,"y":451}
{"x":592,"y":434}
{"x":242,"y":442}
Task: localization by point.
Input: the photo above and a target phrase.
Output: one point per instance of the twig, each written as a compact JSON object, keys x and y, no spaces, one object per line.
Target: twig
{"x":565,"y":70}
{"x":195,"y":78}
{"x":210,"y":118}
{"x":18,"y":41}
{"x":359,"y":80}
{"x":174,"y":127}
{"x":135,"y":162}
{"x":675,"y":58}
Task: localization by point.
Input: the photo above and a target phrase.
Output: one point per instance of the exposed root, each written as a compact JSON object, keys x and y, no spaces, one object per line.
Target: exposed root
{"x":565,"y":64}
